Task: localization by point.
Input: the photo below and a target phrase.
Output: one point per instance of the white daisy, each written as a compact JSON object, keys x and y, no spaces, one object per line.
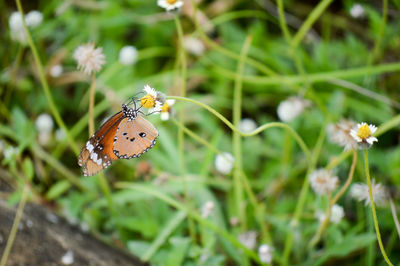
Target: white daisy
{"x":56,"y":71}
{"x":88,"y":58}
{"x":360,"y":192}
{"x":357,"y":11}
{"x":363,"y":135}
{"x":166,"y":109}
{"x":339,"y":133}
{"x":265,"y":253}
{"x":248,"y":239}
{"x":170,"y":5}
{"x":292,"y":107}
{"x":337,"y":213}
{"x":323,"y":182}
{"x":34,"y":18}
{"x":224,"y":163}
{"x":149,"y":101}
{"x":247,"y":125}
{"x":44,"y":123}
{"x":193,"y":45}
{"x":128,"y":55}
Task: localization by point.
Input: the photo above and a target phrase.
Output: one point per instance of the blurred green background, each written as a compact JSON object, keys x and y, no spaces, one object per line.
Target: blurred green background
{"x":342,"y":56}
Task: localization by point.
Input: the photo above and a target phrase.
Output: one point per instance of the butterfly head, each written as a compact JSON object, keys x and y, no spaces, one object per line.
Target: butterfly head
{"x":130,"y":113}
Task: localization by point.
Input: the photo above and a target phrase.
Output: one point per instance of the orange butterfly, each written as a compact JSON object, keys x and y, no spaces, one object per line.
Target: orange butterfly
{"x":123,"y":136}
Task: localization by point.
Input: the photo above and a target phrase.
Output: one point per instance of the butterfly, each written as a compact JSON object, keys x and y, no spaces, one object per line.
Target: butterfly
{"x":125,"y":135}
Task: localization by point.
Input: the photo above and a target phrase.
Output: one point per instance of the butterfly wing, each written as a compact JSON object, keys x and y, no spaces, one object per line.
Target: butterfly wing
{"x":134,"y":137}
{"x":98,"y":152}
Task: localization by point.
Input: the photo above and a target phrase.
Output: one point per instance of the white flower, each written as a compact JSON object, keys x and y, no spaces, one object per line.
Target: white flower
{"x":363,"y":135}
{"x":149,"y":101}
{"x":224,"y":163}
{"x":156,"y":108}
{"x":34,"y":18}
{"x":337,"y":213}
{"x":17,"y":32}
{"x":10,"y":152}
{"x":193,"y":45}
{"x":56,"y":71}
{"x":128,"y":55}
{"x":339,"y":133}
{"x":247,"y":125}
{"x":150,"y":91}
{"x":207,"y":209}
{"x":44,"y":123}
{"x":68,"y":258}
{"x":60,"y":134}
{"x":323,"y":182}
{"x":357,"y":11}
{"x":265,"y":253}
{"x":292,"y":107}
{"x":248,"y":239}
{"x":88,"y":58}
{"x":166,"y":109}
{"x":360,"y":192}
{"x":170,"y":4}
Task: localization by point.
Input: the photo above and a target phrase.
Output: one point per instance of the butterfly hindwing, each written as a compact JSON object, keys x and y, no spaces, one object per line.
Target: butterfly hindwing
{"x":98,"y":153}
{"x":134,"y":137}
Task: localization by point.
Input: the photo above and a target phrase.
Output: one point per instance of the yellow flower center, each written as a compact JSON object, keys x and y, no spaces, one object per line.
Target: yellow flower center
{"x":171,"y":2}
{"x":165,"y":108}
{"x":148,"y":101}
{"x":364,"y":132}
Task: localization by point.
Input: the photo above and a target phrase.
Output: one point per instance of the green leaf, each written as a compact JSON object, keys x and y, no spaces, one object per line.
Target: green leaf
{"x":28,"y":169}
{"x":178,"y":252}
{"x":58,"y":189}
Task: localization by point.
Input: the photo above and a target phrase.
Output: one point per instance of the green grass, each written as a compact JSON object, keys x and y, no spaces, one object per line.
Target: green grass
{"x":253,"y":60}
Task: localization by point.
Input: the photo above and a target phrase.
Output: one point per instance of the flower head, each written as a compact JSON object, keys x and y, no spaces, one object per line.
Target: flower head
{"x":248,"y":239}
{"x":128,"y":55}
{"x":44,"y":123}
{"x":292,"y":107}
{"x":170,"y":5}
{"x":88,"y":58}
{"x":337,"y":213}
{"x":224,"y":163}
{"x":17,"y":31}
{"x":149,"y":101}
{"x":34,"y":18}
{"x":193,"y":45}
{"x":247,"y":125}
{"x":166,"y":109}
{"x":357,"y":11}
{"x":363,"y":135}
{"x":56,"y":71}
{"x":323,"y":182}
{"x":360,"y":192}
{"x":265,"y":253}
{"x":339,"y":133}
{"x":207,"y":209}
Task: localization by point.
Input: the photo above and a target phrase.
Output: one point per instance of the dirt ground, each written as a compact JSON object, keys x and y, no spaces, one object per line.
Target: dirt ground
{"x":45,"y":239}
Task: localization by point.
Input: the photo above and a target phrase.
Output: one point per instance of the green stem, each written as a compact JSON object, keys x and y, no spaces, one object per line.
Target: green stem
{"x":43,"y":80}
{"x":193,"y":214}
{"x":303,"y":196}
{"x":14,"y":227}
{"x":258,"y":130}
{"x":332,"y":202}
{"x":312,"y":17}
{"x":91,"y":104}
{"x":237,"y":142}
{"x":181,"y":134}
{"x":247,"y":186}
{"x":378,"y":234}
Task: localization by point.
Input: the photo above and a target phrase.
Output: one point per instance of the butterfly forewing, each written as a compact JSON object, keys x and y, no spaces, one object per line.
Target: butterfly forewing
{"x":134,"y":137}
{"x":98,"y":151}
